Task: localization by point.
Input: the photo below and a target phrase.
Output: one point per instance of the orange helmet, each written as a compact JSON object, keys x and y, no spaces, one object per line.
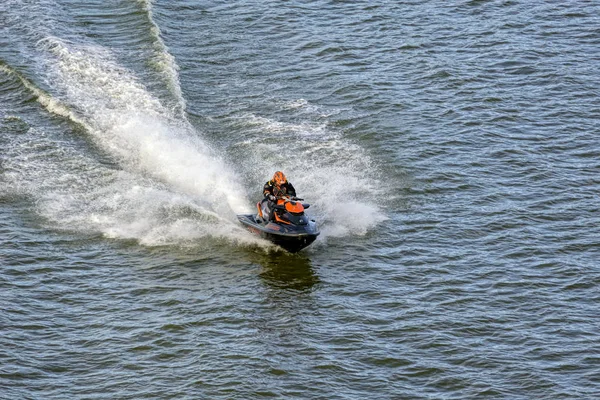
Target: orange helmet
{"x":279,"y":178}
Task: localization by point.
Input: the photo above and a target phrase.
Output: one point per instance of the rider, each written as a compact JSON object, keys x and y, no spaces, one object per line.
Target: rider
{"x":277,"y":187}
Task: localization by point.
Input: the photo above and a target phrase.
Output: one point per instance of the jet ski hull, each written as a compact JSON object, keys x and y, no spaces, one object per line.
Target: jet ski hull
{"x":291,"y":238}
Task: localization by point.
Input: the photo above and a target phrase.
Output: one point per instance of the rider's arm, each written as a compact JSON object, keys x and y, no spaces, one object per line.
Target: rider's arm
{"x":268,"y":189}
{"x":290,"y":189}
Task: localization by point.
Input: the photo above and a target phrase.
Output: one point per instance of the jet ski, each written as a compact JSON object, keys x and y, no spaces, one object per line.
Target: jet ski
{"x":286,"y":225}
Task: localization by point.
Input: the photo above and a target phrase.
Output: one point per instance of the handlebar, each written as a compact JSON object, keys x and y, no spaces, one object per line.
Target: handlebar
{"x":289,"y":198}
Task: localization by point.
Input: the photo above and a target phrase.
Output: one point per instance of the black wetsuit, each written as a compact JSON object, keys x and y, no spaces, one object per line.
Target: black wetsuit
{"x":283,"y":190}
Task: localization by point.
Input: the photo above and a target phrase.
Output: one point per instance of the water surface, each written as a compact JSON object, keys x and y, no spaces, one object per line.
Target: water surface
{"x":449,"y":151}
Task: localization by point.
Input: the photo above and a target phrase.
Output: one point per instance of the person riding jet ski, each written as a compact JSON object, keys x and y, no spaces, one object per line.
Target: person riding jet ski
{"x":277,"y":187}
{"x":281,"y":218}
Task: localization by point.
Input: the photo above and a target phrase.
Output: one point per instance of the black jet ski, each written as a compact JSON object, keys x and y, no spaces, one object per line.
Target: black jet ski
{"x":286,"y":225}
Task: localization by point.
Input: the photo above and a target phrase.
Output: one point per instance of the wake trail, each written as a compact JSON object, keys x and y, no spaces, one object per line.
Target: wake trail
{"x":162,"y":183}
{"x":170,"y":186}
{"x":50,"y":103}
{"x":165,"y":62}
{"x":133,"y":126}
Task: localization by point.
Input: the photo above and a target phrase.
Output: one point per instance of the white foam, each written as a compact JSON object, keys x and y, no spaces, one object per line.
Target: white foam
{"x":131,"y":124}
{"x":123,"y":206}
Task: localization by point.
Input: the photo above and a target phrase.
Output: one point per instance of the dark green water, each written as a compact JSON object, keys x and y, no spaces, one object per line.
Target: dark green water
{"x":449,"y":150}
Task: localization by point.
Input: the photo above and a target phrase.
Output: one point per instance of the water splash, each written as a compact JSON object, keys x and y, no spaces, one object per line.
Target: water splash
{"x":166,"y":185}
{"x":131,"y":124}
{"x":335,"y":175}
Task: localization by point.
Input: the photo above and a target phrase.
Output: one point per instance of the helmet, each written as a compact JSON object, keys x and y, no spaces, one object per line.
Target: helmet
{"x":279,"y":178}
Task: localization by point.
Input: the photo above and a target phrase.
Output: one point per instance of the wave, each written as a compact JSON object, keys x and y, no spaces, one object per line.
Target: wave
{"x":51,"y":104}
{"x":164,"y":61}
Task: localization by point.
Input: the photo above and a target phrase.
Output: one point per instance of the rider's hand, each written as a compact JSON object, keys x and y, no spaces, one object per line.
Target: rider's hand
{"x":272,"y":198}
